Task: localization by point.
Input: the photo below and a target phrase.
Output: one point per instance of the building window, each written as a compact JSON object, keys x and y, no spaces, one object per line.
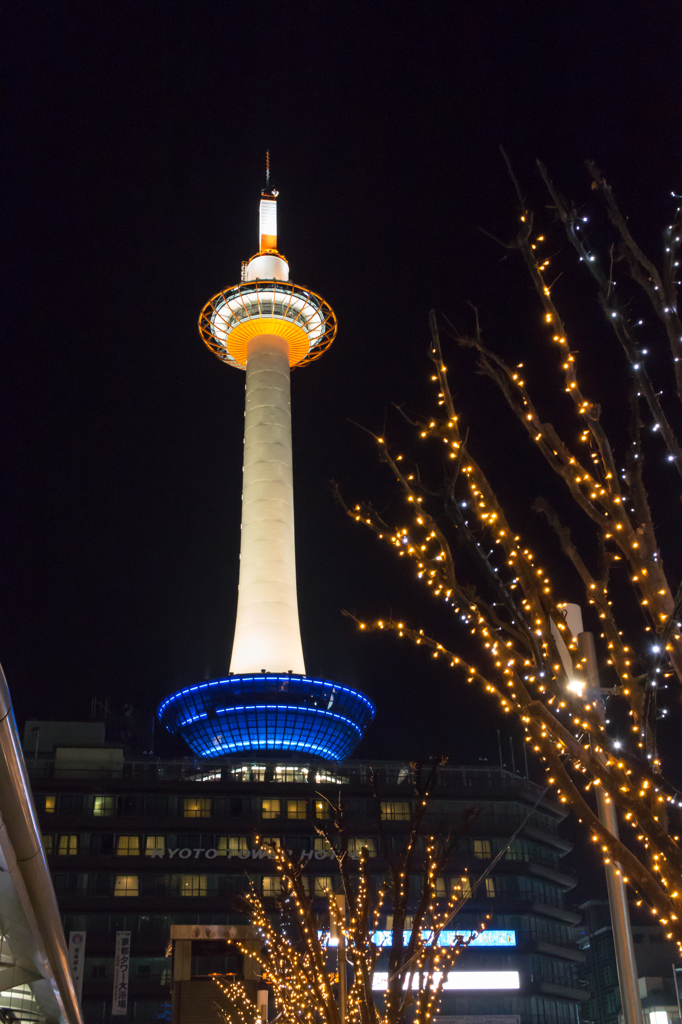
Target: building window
{"x":271,"y":808}
{"x":322,"y":884}
{"x":482,"y":849}
{"x":490,"y":888}
{"x":297,"y":809}
{"x":321,"y":844}
{"x":127,"y":885}
{"x":272,"y":885}
{"x":196,"y":807}
{"x":232,"y":845}
{"x":395,"y":810}
{"x":518,"y":851}
{"x":50,"y":804}
{"x":467,"y":887}
{"x":48,"y":843}
{"x":128,"y":846}
{"x":290,"y":773}
{"x":67,"y":845}
{"x":103,"y":806}
{"x":154,"y":844}
{"x":440,"y":887}
{"x":407,"y":923}
{"x":193,"y":885}
{"x":357,"y":843}
{"x":323,"y":809}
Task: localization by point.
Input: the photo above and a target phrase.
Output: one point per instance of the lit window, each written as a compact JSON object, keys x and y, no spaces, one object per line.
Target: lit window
{"x":128,"y":846}
{"x":193,"y":885}
{"x":50,"y":804}
{"x":232,"y":844}
{"x":48,"y":843}
{"x":289,"y":773}
{"x":490,"y":888}
{"x":272,"y":885}
{"x":322,"y":884}
{"x":296,"y":809}
{"x":271,"y":808}
{"x":467,"y":888}
{"x":356,"y":843}
{"x":482,"y":849}
{"x":395,"y":810}
{"x":320,"y":844}
{"x":196,"y":807}
{"x":323,"y":809}
{"x":407,"y":923}
{"x":103,"y":805}
{"x":127,"y":885}
{"x":440,"y":887}
{"x":67,"y":845}
{"x":154,"y":844}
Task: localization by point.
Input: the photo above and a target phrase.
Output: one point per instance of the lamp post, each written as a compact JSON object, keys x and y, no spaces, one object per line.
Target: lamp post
{"x":618,"y":902}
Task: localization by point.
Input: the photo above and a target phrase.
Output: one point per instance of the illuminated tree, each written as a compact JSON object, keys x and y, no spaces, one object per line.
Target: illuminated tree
{"x":296,"y":960}
{"x":472,"y":553}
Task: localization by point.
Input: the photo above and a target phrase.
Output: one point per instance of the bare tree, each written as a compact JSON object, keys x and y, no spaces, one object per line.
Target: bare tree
{"x":295,"y":958}
{"x":472,"y":553}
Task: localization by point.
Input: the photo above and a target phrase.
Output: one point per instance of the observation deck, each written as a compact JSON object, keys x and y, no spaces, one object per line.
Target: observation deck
{"x":263,"y":711}
{"x":234,"y":316}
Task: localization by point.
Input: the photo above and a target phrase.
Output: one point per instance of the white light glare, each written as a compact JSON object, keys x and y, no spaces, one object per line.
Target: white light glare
{"x":658,"y":1017}
{"x":576,"y":686}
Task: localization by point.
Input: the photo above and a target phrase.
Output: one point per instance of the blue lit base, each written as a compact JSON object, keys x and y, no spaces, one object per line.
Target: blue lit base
{"x":265,"y":712}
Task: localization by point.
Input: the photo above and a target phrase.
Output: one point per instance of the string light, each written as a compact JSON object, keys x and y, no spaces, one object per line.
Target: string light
{"x":296,"y":964}
{"x":521,"y":666}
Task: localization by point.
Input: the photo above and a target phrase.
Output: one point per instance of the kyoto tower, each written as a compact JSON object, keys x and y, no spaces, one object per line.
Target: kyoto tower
{"x":267,"y":325}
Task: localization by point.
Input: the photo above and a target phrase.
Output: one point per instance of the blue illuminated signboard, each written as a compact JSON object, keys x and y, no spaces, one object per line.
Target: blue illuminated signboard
{"x":490,"y":937}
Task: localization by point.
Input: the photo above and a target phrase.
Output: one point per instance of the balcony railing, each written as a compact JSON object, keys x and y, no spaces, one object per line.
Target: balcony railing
{"x":349,"y":773}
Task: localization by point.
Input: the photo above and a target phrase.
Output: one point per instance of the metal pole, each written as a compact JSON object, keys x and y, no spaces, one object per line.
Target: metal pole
{"x":339,"y":933}
{"x":618,"y":902}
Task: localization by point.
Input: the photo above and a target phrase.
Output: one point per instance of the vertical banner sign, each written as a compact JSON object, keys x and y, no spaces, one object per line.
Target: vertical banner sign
{"x":76,"y":958}
{"x":119,"y":1002}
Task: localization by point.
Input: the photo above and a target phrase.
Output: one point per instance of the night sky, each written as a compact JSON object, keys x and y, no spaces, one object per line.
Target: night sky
{"x":134,"y":142}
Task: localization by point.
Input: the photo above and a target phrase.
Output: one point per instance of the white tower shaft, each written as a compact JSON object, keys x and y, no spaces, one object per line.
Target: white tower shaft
{"x":267,"y":633}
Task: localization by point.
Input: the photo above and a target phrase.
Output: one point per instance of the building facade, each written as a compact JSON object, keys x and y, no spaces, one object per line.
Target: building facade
{"x":139,"y":846}
{"x":656,"y":961}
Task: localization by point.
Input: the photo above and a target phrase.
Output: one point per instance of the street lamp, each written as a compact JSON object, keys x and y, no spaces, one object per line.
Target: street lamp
{"x":591,"y":689}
